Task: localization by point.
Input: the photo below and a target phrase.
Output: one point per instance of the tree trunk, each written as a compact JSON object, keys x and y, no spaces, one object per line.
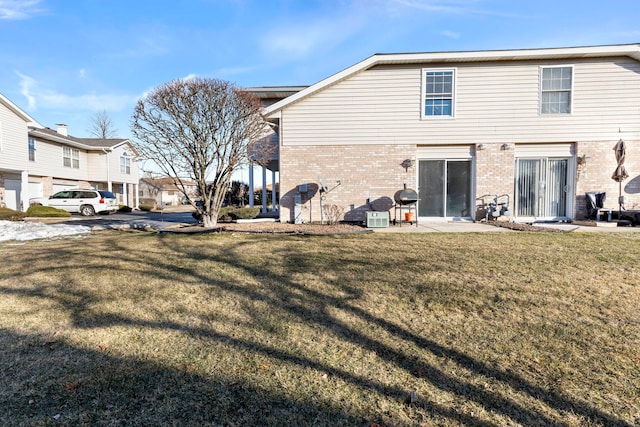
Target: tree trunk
{"x":209,"y":221}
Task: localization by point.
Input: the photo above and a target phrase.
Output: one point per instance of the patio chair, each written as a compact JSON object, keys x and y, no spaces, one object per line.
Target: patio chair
{"x":595,"y":205}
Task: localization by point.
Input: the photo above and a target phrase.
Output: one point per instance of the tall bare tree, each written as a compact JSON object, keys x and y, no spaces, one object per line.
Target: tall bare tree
{"x":102,"y":126}
{"x":199,"y":130}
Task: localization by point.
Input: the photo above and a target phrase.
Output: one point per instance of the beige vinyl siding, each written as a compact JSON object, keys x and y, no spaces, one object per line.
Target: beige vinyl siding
{"x":495,"y":103}
{"x":49,"y":162}
{"x":97,"y":165}
{"x":117,"y":175}
{"x":14,"y":153}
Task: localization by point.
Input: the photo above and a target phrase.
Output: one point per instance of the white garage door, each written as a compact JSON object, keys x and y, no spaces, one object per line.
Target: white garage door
{"x":12,"y":193}
{"x":35,"y":189}
{"x":62,"y":187}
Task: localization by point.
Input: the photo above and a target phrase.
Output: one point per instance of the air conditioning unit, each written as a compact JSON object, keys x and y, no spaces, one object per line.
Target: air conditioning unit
{"x":377,"y":219}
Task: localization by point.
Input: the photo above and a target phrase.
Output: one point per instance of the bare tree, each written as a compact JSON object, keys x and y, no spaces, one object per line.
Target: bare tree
{"x":102,"y":126}
{"x":199,"y":130}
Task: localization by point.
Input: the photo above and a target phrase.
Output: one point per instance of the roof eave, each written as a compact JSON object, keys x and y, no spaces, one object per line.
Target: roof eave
{"x":77,"y":144}
{"x":31,"y":122}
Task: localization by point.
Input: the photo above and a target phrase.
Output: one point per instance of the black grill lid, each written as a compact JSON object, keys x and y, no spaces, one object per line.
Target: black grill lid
{"x":406,"y":196}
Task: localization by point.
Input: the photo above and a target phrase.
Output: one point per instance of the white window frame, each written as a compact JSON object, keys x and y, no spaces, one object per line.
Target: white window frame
{"x":541,"y":91}
{"x":71,"y":156}
{"x":32,"y":149}
{"x":423,"y":93}
{"x":125,"y":163}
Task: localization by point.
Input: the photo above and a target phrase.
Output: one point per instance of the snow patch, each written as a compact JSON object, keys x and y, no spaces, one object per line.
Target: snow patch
{"x":25,"y":230}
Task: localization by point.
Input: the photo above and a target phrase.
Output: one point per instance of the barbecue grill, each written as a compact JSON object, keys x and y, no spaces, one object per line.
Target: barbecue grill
{"x":406,"y":200}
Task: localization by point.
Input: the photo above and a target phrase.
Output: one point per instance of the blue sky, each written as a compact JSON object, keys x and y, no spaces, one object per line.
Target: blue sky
{"x":64,"y":60}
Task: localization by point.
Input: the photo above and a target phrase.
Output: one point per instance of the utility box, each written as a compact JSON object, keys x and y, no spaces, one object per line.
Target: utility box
{"x":297,"y":209}
{"x":377,"y":219}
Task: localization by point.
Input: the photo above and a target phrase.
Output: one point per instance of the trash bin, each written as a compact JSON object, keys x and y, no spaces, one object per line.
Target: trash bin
{"x":595,"y":201}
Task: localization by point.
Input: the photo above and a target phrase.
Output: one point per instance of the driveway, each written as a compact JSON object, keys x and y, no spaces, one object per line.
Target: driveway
{"x":138,"y":219}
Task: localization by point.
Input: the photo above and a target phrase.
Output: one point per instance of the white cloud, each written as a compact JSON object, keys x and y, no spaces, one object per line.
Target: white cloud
{"x":190,"y":76}
{"x":19,"y":9}
{"x":26,"y":84}
{"x":448,"y":6}
{"x":457,"y":7}
{"x":82,"y":73}
{"x":301,"y":39}
{"x":89,"y":101}
{"x":234,"y":71}
{"x":53,"y":100}
{"x":449,"y":34}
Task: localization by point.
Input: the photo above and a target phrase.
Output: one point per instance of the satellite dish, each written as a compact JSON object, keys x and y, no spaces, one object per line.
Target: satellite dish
{"x":323,"y":184}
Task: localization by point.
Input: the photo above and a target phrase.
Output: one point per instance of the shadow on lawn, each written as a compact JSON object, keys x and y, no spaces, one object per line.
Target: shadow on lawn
{"x":76,"y":386}
{"x":307,"y":306}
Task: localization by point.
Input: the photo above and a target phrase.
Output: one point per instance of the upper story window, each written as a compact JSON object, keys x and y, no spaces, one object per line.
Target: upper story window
{"x":438,"y":92}
{"x":32,"y":149}
{"x":555,"y":90}
{"x":71,"y":157}
{"x":125,"y":164}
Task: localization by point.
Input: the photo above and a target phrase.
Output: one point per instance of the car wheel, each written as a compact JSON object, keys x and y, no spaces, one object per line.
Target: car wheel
{"x":87,"y":210}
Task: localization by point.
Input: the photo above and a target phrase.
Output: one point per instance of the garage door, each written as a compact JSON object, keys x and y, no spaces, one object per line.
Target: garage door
{"x":35,"y":189}
{"x":12,"y":193}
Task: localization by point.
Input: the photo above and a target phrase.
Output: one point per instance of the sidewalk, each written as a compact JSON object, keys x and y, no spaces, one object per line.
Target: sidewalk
{"x":477,"y":227}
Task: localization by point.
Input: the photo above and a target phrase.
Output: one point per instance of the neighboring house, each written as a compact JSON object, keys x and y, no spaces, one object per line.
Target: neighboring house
{"x":164,"y":191}
{"x":36,"y":161}
{"x":536,"y":125}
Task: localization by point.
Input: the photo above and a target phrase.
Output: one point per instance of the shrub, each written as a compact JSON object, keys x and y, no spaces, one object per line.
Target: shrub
{"x":244,"y":213}
{"x":11,"y":215}
{"x":148,"y":201}
{"x":333,"y":214}
{"x":47,"y":212}
{"x":124,"y":208}
{"x":223,"y":214}
{"x":146,"y":208}
{"x":230,"y":213}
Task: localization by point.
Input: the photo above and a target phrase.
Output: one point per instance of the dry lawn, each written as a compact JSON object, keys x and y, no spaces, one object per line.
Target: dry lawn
{"x":505,"y":329}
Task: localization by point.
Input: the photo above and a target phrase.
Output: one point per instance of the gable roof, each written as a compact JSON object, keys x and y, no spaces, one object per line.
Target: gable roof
{"x":19,"y":112}
{"x":629,"y":50}
{"x":89,"y":144}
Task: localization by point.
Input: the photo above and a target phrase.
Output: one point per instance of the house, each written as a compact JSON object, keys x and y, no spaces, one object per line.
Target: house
{"x":36,"y":161}
{"x":536,"y":127}
{"x":266,"y":153}
{"x":164,"y":191}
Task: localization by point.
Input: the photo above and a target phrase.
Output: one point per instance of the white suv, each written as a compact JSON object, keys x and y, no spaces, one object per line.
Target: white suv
{"x":85,"y":202}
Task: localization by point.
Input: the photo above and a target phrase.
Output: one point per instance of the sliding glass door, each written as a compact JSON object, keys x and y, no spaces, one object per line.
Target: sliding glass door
{"x":541,"y":187}
{"x":444,"y":188}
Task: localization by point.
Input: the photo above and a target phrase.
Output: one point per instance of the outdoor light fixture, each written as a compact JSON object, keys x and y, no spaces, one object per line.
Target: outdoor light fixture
{"x":481,"y":146}
{"x":406,"y":164}
{"x":506,"y":146}
{"x":582,"y":160}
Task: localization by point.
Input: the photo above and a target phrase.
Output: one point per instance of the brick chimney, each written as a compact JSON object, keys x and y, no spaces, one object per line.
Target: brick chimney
{"x":61,"y":129}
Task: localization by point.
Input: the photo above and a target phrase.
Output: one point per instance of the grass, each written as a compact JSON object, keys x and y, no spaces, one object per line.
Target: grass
{"x":389,"y":330}
{"x":47,"y":212}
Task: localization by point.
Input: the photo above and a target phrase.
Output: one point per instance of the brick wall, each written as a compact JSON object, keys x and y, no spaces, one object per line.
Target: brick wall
{"x":373,"y":173}
{"x":3,"y":203}
{"x":494,"y":173}
{"x":367,"y":174}
{"x":594,"y":174}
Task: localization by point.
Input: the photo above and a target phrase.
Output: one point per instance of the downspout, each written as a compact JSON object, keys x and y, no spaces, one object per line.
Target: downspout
{"x":109,"y":186}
